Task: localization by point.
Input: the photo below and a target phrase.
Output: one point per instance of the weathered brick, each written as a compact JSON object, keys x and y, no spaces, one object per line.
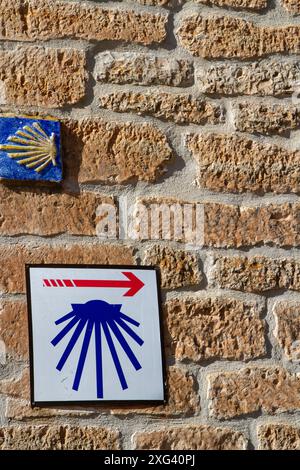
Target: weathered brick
{"x":262,"y":78}
{"x":90,"y":438}
{"x":278,"y":437}
{"x":266,"y":118}
{"x":270,"y":390}
{"x":14,"y":257}
{"x":97,"y":150}
{"x":23,"y":211}
{"x":30,"y":438}
{"x":232,"y":226}
{"x":247,"y":4}
{"x":38,"y":76}
{"x":217,"y":225}
{"x":151,"y":2}
{"x":58,"y":437}
{"x":178,"y":268}
{"x":182,"y":395}
{"x":197,"y":437}
{"x":53,"y":19}
{"x":21,"y":410}
{"x":291,"y":5}
{"x":17,"y":387}
{"x":226,"y":36}
{"x":14,"y":329}
{"x":255,"y":273}
{"x":238,"y":164}
{"x":287,"y":329}
{"x":214,"y":328}
{"x":180,"y":108}
{"x":143,"y":69}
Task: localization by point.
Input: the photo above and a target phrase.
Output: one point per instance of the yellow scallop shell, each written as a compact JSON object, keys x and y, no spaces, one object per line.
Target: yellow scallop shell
{"x":32,"y":147}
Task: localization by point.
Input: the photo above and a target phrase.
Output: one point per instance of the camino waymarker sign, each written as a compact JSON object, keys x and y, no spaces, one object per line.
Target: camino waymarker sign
{"x":95,"y":334}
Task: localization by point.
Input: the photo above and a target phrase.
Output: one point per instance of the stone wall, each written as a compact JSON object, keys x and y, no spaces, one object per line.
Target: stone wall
{"x":172,"y":102}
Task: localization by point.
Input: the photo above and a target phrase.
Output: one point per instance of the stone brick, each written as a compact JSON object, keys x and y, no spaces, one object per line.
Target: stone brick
{"x":291,"y":5}
{"x":222,"y":225}
{"x":96,"y":150}
{"x":38,"y":76}
{"x":278,"y":437}
{"x":214,"y":328}
{"x":262,"y":78}
{"x":178,"y":268}
{"x":254,"y":389}
{"x":53,"y":19}
{"x":287,"y":330}
{"x":58,"y":437}
{"x":90,"y":438}
{"x":13,"y":318}
{"x":152,"y":2}
{"x":24,"y":211}
{"x":238,"y":164}
{"x":247,"y":4}
{"x":182,"y":397}
{"x":143,"y":69}
{"x":17,"y":387}
{"x":30,"y":438}
{"x":197,"y":437}
{"x":14,"y":258}
{"x":266,"y":119}
{"x":21,"y":410}
{"x":232,"y":226}
{"x":229,"y":37}
{"x":255,"y":273}
{"x":180,"y":108}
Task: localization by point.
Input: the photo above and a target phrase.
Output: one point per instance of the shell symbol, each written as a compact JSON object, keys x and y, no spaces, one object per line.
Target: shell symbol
{"x":32,"y":147}
{"x":105,"y":322}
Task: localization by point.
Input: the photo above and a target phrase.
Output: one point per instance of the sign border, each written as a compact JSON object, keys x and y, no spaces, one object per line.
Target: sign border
{"x":100,"y":403}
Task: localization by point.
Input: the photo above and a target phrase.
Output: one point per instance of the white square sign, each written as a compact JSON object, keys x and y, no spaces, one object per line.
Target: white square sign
{"x":95,"y":334}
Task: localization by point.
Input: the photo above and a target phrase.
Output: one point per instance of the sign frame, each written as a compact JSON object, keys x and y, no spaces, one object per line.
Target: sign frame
{"x":103,"y":402}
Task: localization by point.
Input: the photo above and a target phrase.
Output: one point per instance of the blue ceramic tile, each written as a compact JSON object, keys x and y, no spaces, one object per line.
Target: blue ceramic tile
{"x":30,"y":149}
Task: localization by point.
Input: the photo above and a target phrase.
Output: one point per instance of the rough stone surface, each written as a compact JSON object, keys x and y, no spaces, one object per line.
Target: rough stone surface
{"x":178,"y":268}
{"x":291,"y":5}
{"x":21,"y":410}
{"x":232,"y":226}
{"x":58,"y":438}
{"x":267,"y":119}
{"x":238,"y":164}
{"x":45,"y":77}
{"x":255,"y":273}
{"x":278,"y":437}
{"x":53,"y":19}
{"x":96,"y":150}
{"x":191,"y":438}
{"x":143,"y":69}
{"x":14,"y":329}
{"x":17,"y":387}
{"x":48,"y":212}
{"x":180,"y":108}
{"x":14,"y":257}
{"x":288,"y":328}
{"x":90,"y":438}
{"x":247,"y":4}
{"x":214,"y":328}
{"x":270,"y":390}
{"x":182,"y":397}
{"x":262,"y":78}
{"x":229,"y":37}
{"x":220,"y":225}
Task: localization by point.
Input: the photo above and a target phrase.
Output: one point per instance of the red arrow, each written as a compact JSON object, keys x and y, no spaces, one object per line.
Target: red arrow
{"x":134,"y":284}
